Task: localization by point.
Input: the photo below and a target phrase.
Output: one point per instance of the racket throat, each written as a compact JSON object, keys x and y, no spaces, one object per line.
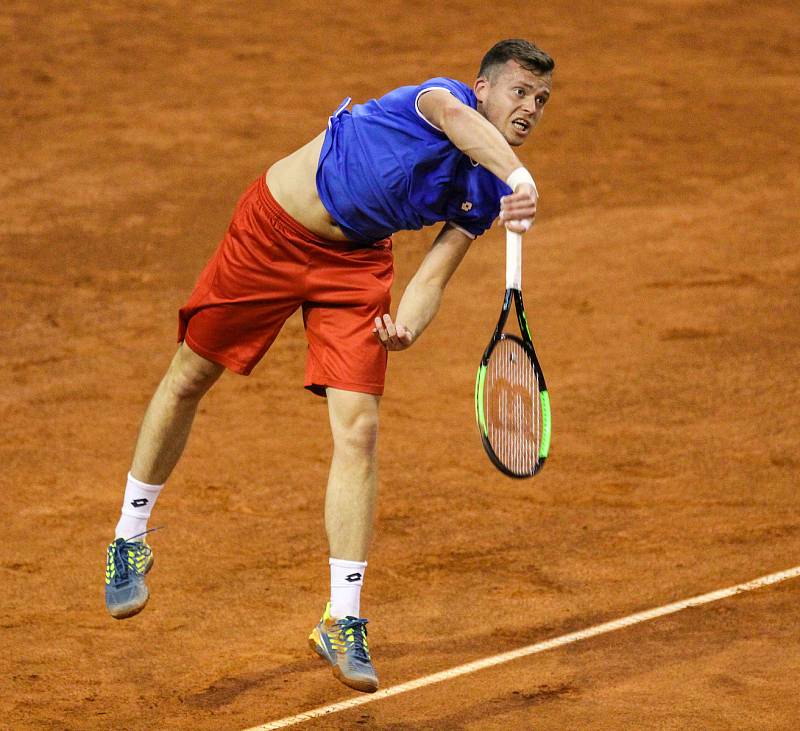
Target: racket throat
{"x":501,"y":322}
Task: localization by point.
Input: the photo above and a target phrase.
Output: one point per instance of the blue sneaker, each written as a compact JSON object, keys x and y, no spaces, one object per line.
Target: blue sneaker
{"x":127,"y":562}
{"x":343,"y":643}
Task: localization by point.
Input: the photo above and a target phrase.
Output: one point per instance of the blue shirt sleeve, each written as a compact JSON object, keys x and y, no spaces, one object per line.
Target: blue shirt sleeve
{"x":476,"y":227}
{"x":458,"y":89}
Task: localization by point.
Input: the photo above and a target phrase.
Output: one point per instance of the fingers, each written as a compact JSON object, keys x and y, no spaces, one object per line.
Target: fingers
{"x":519,"y":227}
{"x":518,"y":205}
{"x":391,"y":336}
{"x":518,"y":210}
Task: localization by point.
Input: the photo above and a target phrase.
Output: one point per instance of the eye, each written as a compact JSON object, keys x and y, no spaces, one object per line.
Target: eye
{"x":519,"y":91}
{"x":541,"y":100}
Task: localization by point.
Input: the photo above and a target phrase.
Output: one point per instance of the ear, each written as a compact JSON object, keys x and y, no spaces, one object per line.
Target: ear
{"x":481,"y":88}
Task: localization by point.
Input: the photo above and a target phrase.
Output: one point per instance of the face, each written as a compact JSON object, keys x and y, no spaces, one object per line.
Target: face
{"x":513,"y":100}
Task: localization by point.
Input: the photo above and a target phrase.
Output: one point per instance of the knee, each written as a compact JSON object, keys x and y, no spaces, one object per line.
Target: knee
{"x":188,"y":379}
{"x":358,"y":436}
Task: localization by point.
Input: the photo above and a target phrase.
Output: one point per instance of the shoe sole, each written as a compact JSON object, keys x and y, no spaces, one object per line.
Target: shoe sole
{"x":316,"y":644}
{"x":364,"y":687}
{"x":131,"y":610}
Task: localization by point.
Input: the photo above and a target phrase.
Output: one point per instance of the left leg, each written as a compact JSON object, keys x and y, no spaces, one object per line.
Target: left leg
{"x":347,"y":290}
{"x":353,"y":478}
{"x":341,"y":637}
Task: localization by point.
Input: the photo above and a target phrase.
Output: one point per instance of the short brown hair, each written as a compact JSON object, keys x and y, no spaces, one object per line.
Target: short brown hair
{"x":525,"y":53}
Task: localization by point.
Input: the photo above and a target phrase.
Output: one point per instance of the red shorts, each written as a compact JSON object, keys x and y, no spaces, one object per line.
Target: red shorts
{"x":266,"y":267}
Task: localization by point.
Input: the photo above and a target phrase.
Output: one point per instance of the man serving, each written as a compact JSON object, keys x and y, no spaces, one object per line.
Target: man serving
{"x":315,"y":233}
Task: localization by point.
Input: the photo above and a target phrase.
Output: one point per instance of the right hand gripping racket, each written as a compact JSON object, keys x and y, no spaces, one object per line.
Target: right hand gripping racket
{"x":512,"y":406}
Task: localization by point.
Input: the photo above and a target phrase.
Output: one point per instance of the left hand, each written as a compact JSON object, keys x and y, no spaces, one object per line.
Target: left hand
{"x":518,"y":210}
{"x":392,"y":336}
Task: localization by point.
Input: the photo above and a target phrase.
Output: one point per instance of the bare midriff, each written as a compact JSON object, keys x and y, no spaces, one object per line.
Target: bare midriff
{"x":292,"y":182}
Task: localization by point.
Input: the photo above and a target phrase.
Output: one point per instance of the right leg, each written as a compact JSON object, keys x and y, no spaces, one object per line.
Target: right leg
{"x":168,"y":419}
{"x":247,"y":290}
{"x":162,"y":437}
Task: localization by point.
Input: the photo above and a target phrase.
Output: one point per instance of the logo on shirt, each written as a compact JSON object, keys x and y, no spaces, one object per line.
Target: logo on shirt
{"x":466,"y":206}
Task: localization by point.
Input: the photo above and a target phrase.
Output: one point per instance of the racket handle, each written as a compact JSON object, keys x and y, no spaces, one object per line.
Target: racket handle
{"x":513,"y":260}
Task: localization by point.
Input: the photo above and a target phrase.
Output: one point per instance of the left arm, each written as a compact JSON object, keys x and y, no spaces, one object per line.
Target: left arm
{"x":423,"y":295}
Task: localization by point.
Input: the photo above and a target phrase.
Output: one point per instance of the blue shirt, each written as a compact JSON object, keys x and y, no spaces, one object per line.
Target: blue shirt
{"x":384,"y":168}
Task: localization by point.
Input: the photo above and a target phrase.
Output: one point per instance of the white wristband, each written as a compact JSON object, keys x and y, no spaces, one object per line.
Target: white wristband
{"x":520,"y":175}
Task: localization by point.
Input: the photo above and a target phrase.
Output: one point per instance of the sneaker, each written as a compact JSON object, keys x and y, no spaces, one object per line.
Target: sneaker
{"x":127,"y":561}
{"x":343,"y":643}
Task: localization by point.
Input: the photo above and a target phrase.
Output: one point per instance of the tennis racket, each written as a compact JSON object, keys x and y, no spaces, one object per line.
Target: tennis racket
{"x":512,"y":406}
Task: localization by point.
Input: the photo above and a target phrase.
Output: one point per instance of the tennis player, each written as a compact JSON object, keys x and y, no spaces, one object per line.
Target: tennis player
{"x":315,"y":233}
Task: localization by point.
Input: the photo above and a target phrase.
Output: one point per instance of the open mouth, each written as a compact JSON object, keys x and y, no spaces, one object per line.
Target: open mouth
{"x":521,"y":125}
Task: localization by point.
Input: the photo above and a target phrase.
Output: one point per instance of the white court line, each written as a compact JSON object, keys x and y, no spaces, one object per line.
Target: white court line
{"x":489,"y":662}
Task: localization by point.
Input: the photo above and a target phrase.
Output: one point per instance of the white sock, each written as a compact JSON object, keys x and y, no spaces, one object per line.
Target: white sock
{"x":136,"y":507}
{"x":347,"y":578}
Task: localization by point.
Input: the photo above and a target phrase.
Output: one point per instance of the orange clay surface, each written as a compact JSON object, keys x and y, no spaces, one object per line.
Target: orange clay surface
{"x":662,"y":282}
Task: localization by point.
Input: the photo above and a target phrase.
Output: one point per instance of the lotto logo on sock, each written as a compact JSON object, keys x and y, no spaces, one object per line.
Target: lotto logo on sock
{"x":353,"y":577}
{"x":140,"y":502}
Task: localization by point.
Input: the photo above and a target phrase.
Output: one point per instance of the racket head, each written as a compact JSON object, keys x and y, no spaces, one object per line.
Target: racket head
{"x":512,"y":406}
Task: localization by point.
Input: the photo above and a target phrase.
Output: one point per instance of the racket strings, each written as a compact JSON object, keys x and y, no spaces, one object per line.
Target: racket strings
{"x":513,"y":407}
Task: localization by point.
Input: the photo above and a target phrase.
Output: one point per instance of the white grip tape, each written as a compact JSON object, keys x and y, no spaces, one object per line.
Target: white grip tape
{"x":513,"y":260}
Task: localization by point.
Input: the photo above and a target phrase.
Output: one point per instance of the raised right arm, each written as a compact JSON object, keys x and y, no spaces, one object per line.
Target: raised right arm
{"x":469,"y":131}
{"x":478,"y":138}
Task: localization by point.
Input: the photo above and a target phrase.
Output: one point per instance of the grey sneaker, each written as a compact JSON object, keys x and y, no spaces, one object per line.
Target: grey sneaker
{"x":343,"y":643}
{"x":127,"y":562}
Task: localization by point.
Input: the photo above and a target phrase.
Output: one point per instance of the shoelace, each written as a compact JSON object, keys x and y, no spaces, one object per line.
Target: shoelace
{"x":354,"y":632}
{"x":121,"y":551}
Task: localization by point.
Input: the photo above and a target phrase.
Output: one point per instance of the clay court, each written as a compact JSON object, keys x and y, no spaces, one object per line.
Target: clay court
{"x":662,"y":282}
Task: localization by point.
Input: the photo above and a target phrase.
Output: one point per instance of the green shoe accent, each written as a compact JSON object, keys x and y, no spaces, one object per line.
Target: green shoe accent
{"x":127,"y":562}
